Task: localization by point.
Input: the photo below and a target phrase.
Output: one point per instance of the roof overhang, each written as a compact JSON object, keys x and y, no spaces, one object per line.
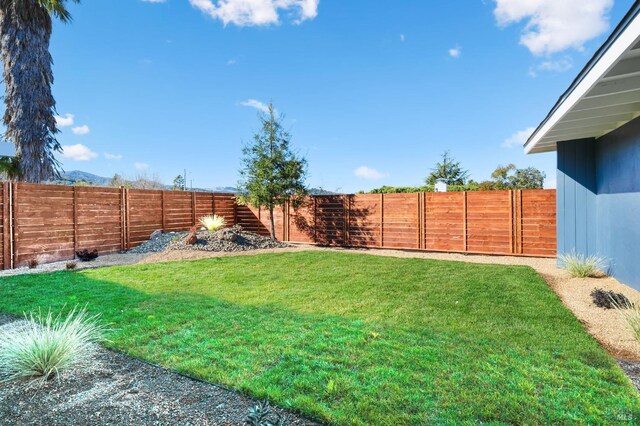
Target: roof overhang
{"x":604,"y":96}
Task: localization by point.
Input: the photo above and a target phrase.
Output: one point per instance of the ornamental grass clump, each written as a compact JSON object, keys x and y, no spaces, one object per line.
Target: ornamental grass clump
{"x":583,"y":266}
{"x":44,"y":346}
{"x":630,"y":312}
{"x":212,"y":222}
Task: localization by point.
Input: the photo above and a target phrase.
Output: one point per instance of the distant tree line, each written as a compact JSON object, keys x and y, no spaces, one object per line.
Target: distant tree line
{"x":451,"y":172}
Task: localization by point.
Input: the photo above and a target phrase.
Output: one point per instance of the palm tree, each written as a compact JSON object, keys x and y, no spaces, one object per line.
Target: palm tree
{"x":29,"y":118}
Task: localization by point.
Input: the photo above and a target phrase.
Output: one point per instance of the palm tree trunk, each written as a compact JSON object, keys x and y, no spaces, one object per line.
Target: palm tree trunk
{"x":30,"y":108}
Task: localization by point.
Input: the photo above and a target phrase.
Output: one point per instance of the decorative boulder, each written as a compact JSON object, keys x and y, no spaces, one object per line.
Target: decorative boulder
{"x":155,"y":234}
{"x":192,"y":238}
{"x":227,"y":234}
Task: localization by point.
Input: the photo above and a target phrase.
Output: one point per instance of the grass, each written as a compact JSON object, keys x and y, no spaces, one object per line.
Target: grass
{"x":356,"y":339}
{"x":46,"y":345}
{"x":582,"y":266}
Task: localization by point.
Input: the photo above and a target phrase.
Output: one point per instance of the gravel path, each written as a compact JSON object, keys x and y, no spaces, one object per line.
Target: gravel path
{"x":114,"y":259}
{"x":123,"y":390}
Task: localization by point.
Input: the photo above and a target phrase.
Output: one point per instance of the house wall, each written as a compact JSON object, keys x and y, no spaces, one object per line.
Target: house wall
{"x":618,"y":187}
{"x":599,"y":199}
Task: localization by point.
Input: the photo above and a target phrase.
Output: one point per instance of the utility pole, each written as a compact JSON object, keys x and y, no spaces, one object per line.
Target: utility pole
{"x":184,"y":182}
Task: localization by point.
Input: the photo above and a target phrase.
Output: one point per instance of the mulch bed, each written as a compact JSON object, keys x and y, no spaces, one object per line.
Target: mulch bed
{"x":124,"y":390}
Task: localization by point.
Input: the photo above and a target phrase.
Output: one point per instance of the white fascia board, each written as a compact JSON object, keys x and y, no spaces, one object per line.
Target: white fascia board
{"x":609,"y":59}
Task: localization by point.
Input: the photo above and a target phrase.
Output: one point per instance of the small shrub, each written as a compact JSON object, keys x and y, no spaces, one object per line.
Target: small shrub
{"x":608,"y":299}
{"x":212,"y":222}
{"x":45,"y":346}
{"x":261,"y":415}
{"x":71,"y":266}
{"x":33,"y":263}
{"x":582,"y":266}
{"x":86,"y":255}
{"x":630,"y":312}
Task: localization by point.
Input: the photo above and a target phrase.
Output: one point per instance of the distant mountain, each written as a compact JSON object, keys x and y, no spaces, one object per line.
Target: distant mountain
{"x":75,"y":176}
{"x":79,"y":176}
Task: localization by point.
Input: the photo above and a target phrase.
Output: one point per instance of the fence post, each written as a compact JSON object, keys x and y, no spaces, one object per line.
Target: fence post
{"x":519,"y":221}
{"x":418,"y":227}
{"x":465,"y":232}
{"x":235,"y":211}
{"x":164,"y":210}
{"x":13,"y":190}
{"x":213,"y":203}
{"x":193,"y":208}
{"x":75,"y":220}
{"x":344,"y":220}
{"x":512,"y":224}
{"x":6,"y":227}
{"x":127,"y":209}
{"x":315,"y":218}
{"x":423,"y":221}
{"x":382,"y":220}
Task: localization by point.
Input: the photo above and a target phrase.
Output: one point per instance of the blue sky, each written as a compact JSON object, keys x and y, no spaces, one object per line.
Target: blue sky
{"x":373,"y":93}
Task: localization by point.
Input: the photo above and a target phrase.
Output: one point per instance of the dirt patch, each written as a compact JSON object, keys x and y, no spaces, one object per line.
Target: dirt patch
{"x":120,"y":389}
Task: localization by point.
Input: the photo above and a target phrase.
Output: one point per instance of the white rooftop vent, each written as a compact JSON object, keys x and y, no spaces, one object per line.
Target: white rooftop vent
{"x":441,"y":186}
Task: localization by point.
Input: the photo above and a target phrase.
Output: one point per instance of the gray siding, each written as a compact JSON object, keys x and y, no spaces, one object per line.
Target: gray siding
{"x":599,"y":199}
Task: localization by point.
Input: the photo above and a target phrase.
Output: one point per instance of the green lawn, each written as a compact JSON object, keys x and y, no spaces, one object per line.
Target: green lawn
{"x":356,"y":339}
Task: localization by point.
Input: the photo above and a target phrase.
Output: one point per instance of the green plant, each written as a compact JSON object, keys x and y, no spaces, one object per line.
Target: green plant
{"x":71,"y":265}
{"x":44,"y":346}
{"x":581,"y":265}
{"x":608,"y":299}
{"x":212,"y":222}
{"x":33,"y":263}
{"x":261,"y":415}
{"x":630,"y":312}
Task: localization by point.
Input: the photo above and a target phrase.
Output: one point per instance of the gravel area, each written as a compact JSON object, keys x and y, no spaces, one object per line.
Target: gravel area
{"x":158,"y":243}
{"x":114,"y":259}
{"x":120,"y":389}
{"x":233,"y":239}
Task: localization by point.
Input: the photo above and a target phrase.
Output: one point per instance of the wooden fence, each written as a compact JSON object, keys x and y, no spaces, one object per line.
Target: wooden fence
{"x":519,"y":222}
{"x":52,"y":222}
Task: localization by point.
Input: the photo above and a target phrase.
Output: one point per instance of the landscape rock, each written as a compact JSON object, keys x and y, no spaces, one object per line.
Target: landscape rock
{"x":234,"y":239}
{"x":192,"y":237}
{"x":155,"y":234}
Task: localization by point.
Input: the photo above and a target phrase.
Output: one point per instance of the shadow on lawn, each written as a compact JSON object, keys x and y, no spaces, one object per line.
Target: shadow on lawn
{"x":333,"y":368}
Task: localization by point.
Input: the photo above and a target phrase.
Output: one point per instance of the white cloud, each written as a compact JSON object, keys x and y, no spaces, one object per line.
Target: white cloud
{"x":140,"y":166}
{"x":253,"y":103}
{"x":555,"y":25}
{"x":81,"y":130}
{"x":402,"y":37}
{"x":518,"y":138}
{"x":78,"y":152}
{"x":560,"y":65}
{"x":110,"y":156}
{"x":257,"y":12}
{"x":154,"y":1}
{"x":232,"y":62}
{"x":455,"y":52}
{"x":365,"y":172}
{"x":64,"y":121}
